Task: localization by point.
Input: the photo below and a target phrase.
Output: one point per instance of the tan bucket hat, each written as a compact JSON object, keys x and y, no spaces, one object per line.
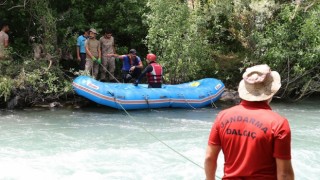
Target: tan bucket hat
{"x":93,"y":30}
{"x":259,"y":83}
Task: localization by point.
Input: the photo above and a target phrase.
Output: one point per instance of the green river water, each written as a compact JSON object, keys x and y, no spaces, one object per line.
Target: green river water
{"x":103,"y":143}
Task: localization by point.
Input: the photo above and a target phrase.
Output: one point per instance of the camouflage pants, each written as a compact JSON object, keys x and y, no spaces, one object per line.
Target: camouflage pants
{"x":108,"y":64}
{"x":92,"y":67}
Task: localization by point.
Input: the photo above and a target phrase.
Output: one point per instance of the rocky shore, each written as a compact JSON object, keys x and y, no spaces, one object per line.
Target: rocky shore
{"x":229,"y":97}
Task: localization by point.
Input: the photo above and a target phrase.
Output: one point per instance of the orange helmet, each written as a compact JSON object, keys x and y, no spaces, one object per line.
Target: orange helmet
{"x":151,"y":57}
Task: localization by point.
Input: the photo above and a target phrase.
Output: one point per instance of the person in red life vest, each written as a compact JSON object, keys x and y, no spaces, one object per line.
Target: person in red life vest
{"x":154,"y":72}
{"x":255,"y":141}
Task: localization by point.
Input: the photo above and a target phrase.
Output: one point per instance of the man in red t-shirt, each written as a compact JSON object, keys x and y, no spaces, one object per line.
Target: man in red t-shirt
{"x":256,"y":142}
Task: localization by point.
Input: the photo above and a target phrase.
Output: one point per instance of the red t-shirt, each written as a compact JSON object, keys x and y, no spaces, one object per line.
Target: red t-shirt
{"x":251,"y":136}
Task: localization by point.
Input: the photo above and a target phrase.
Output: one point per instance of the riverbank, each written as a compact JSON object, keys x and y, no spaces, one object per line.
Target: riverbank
{"x":229,"y":98}
{"x":72,"y":100}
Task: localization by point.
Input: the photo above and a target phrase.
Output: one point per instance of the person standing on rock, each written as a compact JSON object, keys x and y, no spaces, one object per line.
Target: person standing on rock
{"x":4,"y":40}
{"x":81,"y":49}
{"x":93,"y":54}
{"x":108,"y":63}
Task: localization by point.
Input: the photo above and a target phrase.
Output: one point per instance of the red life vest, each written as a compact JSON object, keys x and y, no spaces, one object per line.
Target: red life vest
{"x":155,"y":76}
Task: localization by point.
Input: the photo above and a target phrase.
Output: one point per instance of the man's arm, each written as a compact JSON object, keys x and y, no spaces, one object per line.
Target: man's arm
{"x":78,"y":52}
{"x":210,"y":164}
{"x":6,"y":42}
{"x":149,"y":68}
{"x":99,"y":51}
{"x":284,"y":169}
{"x":140,"y":65}
{"x":78,"y":49}
{"x":116,"y":56}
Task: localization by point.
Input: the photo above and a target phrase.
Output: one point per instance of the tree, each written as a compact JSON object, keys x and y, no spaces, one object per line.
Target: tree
{"x":295,"y":53}
{"x":174,"y":35}
{"x":283,"y":34}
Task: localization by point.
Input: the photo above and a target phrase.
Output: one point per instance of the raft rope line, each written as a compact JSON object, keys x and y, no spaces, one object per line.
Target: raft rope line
{"x":187,"y":101}
{"x":148,"y":132}
{"x":212,"y":103}
{"x":162,"y":142}
{"x":109,"y":73}
{"x":147,"y":101}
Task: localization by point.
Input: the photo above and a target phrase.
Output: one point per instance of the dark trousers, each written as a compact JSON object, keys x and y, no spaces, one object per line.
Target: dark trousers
{"x":83,"y":57}
{"x":127,"y":76}
{"x":154,"y":85}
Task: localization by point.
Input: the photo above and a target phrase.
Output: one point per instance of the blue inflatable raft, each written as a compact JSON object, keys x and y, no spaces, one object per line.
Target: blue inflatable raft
{"x":195,"y":94}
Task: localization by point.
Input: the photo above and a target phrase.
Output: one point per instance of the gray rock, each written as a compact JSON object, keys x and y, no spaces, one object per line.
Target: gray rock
{"x":55,"y":104}
{"x":13,"y":102}
{"x":231,"y":96}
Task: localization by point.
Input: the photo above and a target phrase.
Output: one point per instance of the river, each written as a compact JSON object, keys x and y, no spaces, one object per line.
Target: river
{"x":102,"y":143}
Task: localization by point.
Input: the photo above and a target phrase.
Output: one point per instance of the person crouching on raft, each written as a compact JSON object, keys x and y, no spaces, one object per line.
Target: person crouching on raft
{"x":132,"y":65}
{"x":154,"y":72}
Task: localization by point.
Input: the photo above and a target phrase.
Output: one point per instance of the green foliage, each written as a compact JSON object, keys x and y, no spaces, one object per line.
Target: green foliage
{"x":45,"y":81}
{"x":6,"y":86}
{"x":208,"y":39}
{"x":8,"y":68}
{"x":123,"y":17}
{"x":33,"y":76}
{"x":175,"y":37}
{"x":43,"y":15}
{"x":219,"y":22}
{"x":291,"y":44}
{"x":283,"y":35}
{"x":56,"y":25}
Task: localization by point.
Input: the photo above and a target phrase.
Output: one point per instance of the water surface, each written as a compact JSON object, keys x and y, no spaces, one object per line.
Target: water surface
{"x":102,"y":143}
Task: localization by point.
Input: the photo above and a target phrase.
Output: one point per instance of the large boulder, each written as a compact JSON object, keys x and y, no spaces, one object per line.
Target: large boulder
{"x":230,"y":96}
